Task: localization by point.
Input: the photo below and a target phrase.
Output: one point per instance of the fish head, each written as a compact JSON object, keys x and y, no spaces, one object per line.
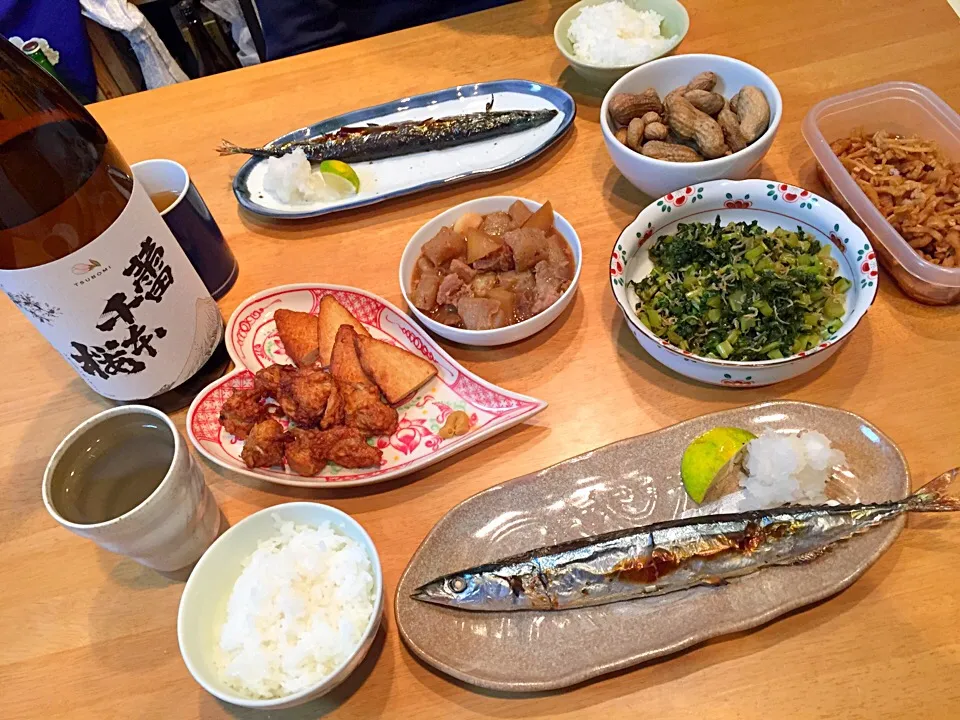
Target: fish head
{"x":478,"y":589}
{"x":457,"y":589}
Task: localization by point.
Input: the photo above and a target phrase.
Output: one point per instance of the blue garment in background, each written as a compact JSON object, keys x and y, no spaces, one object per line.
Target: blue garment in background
{"x":295,"y":26}
{"x":59,"y":22}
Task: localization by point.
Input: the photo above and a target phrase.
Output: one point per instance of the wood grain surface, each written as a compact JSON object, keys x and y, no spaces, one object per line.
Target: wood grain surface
{"x":86,"y":634}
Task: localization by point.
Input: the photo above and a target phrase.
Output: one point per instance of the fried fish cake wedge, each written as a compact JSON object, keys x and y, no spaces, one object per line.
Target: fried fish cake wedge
{"x":264,"y":446}
{"x":332,"y":316}
{"x":344,"y":362}
{"x":398,"y":373}
{"x":299,"y":334}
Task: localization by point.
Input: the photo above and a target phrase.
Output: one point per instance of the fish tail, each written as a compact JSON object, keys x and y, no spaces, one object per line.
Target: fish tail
{"x":942,"y":494}
{"x":228,"y":148}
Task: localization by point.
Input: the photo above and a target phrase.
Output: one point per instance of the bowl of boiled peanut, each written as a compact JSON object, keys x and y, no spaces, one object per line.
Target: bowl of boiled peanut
{"x":687,"y":119}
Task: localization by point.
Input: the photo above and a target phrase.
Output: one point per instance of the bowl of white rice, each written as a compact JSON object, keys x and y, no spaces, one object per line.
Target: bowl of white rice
{"x":603,"y":39}
{"x":282,"y":607}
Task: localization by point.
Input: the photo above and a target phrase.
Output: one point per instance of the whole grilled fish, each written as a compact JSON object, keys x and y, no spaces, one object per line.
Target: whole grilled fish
{"x":670,"y":556}
{"x":374,"y":142}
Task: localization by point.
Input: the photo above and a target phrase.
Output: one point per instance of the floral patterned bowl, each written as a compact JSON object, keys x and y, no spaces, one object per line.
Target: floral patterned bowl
{"x":772,"y":204}
{"x":253,"y":343}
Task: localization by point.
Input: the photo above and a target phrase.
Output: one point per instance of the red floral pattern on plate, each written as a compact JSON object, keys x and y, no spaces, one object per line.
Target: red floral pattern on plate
{"x":678,"y":198}
{"x":415,"y":444}
{"x":409,"y":435}
{"x":792,"y":194}
{"x":616,"y":267}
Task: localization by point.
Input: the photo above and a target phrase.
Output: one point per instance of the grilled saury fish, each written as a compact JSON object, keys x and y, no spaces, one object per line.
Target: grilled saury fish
{"x":374,"y":142}
{"x":669,"y":556}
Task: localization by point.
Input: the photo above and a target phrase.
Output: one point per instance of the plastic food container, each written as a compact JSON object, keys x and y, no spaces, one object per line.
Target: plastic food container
{"x":905,"y":109}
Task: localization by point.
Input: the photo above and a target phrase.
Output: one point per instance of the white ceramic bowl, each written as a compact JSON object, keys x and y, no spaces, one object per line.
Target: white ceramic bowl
{"x":498,"y":336}
{"x":676,"y":23}
{"x":204,"y":600}
{"x":771,"y":204}
{"x":658,"y":177}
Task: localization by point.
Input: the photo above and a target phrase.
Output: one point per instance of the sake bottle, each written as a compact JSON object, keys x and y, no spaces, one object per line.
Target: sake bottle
{"x":86,"y":256}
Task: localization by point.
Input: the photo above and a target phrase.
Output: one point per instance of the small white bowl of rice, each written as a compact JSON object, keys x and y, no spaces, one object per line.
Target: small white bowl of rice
{"x":603,"y":39}
{"x":282,"y":607}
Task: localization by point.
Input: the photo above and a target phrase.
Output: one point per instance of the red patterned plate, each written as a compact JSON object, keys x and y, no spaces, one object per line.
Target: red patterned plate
{"x":253,"y":343}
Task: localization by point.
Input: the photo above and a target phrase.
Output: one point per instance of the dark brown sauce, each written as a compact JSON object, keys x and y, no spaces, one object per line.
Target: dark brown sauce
{"x":647,"y":571}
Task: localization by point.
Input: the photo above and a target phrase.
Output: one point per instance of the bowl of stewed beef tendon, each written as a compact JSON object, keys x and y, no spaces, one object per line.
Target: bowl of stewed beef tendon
{"x":742,"y":283}
{"x":491,"y":271}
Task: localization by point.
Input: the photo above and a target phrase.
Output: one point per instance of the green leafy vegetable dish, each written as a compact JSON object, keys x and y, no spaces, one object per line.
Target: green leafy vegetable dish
{"x":739,"y":292}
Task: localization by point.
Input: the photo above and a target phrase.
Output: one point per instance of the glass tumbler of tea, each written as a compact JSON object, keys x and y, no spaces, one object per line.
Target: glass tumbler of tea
{"x":125,"y":479}
{"x":181,"y":207}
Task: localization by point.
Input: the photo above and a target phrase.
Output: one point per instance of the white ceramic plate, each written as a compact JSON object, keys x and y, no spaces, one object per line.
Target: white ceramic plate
{"x":253,"y":343}
{"x":393,"y":177}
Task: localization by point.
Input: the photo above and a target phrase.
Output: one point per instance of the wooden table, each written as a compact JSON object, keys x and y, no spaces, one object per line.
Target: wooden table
{"x":86,"y":634}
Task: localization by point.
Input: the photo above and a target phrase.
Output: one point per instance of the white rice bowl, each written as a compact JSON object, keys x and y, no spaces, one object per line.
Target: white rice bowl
{"x":614,"y":34}
{"x":297,"y":611}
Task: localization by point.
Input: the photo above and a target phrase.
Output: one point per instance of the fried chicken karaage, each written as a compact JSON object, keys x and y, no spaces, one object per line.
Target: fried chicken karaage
{"x":332,"y":413}
{"x":363,"y":410}
{"x":362,"y":407}
{"x":346,"y":446}
{"x":264,"y":445}
{"x":269,"y":379}
{"x":303,"y":395}
{"x":241,"y":412}
{"x":301,"y":455}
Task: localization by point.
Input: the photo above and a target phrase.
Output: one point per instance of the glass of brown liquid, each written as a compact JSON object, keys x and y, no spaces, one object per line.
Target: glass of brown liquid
{"x":183,"y":210}
{"x":189,"y":219}
{"x":126,"y":480}
{"x":162,"y":199}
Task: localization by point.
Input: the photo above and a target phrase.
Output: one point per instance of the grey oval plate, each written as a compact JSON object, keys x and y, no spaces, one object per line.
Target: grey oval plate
{"x":631,"y":482}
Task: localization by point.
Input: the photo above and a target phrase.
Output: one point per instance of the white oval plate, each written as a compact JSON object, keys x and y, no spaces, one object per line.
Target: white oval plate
{"x":397,"y":176}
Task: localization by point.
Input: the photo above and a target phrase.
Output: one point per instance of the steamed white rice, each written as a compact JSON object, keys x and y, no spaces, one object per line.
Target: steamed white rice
{"x":783,"y":469}
{"x":613,"y":33}
{"x":297,"y":611}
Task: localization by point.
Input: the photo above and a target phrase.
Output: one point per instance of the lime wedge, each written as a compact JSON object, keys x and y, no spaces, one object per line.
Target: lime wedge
{"x":704,"y":457}
{"x":340,"y":176}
